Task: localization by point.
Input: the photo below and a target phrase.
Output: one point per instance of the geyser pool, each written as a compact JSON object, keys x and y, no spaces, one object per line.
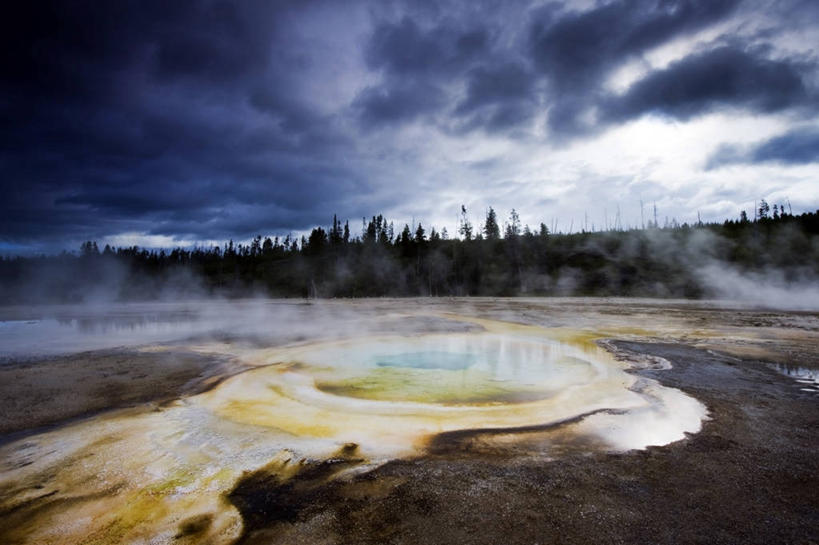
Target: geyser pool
{"x":390,"y":394}
{"x":452,"y":369}
{"x":135,"y":476}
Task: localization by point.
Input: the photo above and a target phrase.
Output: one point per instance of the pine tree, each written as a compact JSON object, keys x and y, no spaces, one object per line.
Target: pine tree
{"x":335,"y":232}
{"x":406,"y":236}
{"x":491,"y":230}
{"x":763,"y":209}
{"x":513,"y":227}
{"x":420,"y":234}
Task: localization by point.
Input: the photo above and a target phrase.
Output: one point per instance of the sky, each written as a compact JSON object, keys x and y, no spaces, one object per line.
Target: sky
{"x":189,"y":122}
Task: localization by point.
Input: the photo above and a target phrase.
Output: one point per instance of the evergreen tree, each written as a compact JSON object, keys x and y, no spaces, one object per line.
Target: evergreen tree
{"x":491,"y":230}
{"x":406,"y":236}
{"x":335,"y":232}
{"x":626,"y":262}
{"x":763,"y":209}
{"x":89,"y":248}
{"x":316,"y":242}
{"x":420,"y":234}
{"x":513,"y":227}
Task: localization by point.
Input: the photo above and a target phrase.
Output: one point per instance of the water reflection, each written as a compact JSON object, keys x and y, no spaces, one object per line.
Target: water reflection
{"x":453,"y":369}
{"x":76,"y":328}
{"x":430,"y":359}
{"x":129,"y":323}
{"x":65,"y":335}
{"x":807,"y":377}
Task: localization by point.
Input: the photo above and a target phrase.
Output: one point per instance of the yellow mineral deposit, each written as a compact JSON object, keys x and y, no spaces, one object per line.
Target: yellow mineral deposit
{"x":163,"y":476}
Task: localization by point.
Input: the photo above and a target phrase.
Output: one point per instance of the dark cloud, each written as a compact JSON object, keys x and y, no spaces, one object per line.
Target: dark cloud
{"x":404,"y":48}
{"x":424,"y":68}
{"x":498,"y":96}
{"x":159,"y":117}
{"x":723,"y":77}
{"x":577,"y":49}
{"x":416,"y":63}
{"x":724,"y":155}
{"x":212,"y":119}
{"x":796,"y":147}
{"x":399,"y":101}
{"x":488,"y":85}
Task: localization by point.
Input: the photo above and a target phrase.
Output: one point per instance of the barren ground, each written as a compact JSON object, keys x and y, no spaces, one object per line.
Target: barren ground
{"x":750,"y":476}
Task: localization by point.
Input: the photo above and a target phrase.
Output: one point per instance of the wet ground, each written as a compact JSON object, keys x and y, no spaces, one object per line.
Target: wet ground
{"x":750,"y":475}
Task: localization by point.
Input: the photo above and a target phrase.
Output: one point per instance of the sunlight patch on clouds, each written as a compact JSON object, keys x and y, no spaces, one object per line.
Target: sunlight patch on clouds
{"x":651,"y":159}
{"x":671,"y":151}
{"x":680,"y":47}
{"x":624,"y":76}
{"x":145,"y":240}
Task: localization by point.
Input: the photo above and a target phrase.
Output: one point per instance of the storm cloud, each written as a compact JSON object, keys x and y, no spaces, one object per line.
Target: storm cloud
{"x":724,"y":77}
{"x":796,"y":147}
{"x":203,"y":120}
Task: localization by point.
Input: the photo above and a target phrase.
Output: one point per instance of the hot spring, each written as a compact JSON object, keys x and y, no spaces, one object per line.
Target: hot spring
{"x":389,"y":394}
{"x":138,"y":474}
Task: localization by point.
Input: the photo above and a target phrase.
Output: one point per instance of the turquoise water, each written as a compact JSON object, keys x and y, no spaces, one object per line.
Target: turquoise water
{"x":428,"y":359}
{"x":453,"y":369}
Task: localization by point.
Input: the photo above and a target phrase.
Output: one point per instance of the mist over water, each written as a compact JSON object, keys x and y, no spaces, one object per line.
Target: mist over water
{"x":54,"y":336}
{"x":380,"y":378}
{"x":32,"y":331}
{"x":360,"y":356}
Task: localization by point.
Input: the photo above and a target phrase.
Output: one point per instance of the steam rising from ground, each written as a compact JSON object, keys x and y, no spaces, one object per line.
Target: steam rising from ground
{"x":771,"y":289}
{"x":699,"y":261}
{"x":63,"y":329}
{"x":355,"y":380}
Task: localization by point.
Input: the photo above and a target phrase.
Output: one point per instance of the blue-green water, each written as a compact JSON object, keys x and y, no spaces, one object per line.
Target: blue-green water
{"x":428,"y":359}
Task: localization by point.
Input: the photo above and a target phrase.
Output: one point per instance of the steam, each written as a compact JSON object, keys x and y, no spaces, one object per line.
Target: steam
{"x":95,"y":281}
{"x":317,"y":389}
{"x":781,"y":255}
{"x":772,"y":289}
{"x":34,"y":331}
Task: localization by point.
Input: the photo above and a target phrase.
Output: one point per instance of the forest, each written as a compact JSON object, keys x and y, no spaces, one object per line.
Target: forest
{"x":496,"y":258}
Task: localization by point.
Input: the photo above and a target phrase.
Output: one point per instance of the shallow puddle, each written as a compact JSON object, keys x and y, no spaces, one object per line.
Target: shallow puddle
{"x":806,"y":377}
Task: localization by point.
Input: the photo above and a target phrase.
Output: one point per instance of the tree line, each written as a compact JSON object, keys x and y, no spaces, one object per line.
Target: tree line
{"x":489,"y":259}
